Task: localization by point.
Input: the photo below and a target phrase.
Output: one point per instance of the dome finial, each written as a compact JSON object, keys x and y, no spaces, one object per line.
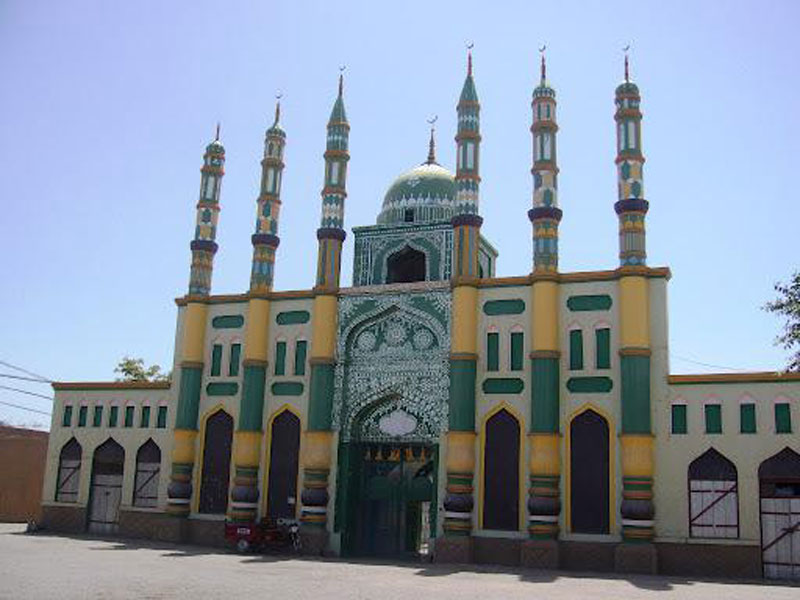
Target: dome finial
{"x":627,"y":74}
{"x":341,"y":79}
{"x":469,"y":59}
{"x":278,"y":97}
{"x":432,"y":144}
{"x":544,"y":66}
{"x":216,"y":136}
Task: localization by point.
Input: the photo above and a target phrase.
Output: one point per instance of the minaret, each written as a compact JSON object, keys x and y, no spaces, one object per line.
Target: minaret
{"x":456,"y":545}
{"x":265,"y":239}
{"x":318,"y":438}
{"x":544,"y":504}
{"x":631,"y":207}
{"x":243,"y":506}
{"x":203,"y":246}
{"x":192,"y":344}
{"x":636,"y":440}
{"x":545,"y":214}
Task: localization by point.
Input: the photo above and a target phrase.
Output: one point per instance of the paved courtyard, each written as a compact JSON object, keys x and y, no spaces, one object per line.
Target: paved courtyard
{"x":45,"y":566}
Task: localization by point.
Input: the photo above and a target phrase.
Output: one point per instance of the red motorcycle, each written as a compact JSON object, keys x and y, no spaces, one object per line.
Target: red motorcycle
{"x":271,"y":535}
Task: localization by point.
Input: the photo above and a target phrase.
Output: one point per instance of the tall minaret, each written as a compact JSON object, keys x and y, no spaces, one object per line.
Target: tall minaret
{"x":203,"y":246}
{"x":318,"y":438}
{"x":544,"y":504}
{"x":265,"y":239}
{"x":636,"y":440}
{"x":247,"y":441}
{"x":455,"y":546}
{"x":192,"y":344}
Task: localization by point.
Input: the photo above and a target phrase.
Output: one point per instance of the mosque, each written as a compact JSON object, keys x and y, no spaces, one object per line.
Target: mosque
{"x":433,"y":408}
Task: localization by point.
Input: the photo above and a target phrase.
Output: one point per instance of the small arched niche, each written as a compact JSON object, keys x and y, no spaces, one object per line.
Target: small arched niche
{"x":405,"y":266}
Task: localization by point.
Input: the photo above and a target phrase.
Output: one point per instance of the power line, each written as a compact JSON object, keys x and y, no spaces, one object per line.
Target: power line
{"x":697,"y":362}
{"x":13,"y":389}
{"x":31,"y":373}
{"x":33,"y":410}
{"x":10,"y":376}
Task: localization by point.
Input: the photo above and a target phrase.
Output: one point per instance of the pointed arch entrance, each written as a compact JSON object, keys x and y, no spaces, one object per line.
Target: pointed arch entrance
{"x":216,"y":464}
{"x":589,"y":473}
{"x":106,"y":487}
{"x":284,"y":456}
{"x":779,"y":490}
{"x":501,"y":472}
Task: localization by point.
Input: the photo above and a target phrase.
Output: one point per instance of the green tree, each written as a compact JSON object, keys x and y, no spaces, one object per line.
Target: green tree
{"x":133,"y":369}
{"x":788,"y":305}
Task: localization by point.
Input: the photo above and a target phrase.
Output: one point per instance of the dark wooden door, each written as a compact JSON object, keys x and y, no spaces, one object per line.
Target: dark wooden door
{"x":283,"y":463}
{"x":501,"y":473}
{"x":589,"y":469}
{"x":106,"y":489}
{"x":216,"y":464}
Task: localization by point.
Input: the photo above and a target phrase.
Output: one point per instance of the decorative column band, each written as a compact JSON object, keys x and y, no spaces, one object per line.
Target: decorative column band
{"x":331,"y":233}
{"x":637,"y":509}
{"x":544,"y":506}
{"x":179,"y":491}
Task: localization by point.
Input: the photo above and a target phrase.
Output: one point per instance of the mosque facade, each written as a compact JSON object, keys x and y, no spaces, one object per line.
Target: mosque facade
{"x":433,"y":408}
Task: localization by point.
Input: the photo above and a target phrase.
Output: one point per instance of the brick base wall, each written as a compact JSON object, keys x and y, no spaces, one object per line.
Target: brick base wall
{"x":709,"y":560}
{"x":64,"y":519}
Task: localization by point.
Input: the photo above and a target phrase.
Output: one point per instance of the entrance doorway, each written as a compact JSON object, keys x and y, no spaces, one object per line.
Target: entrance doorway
{"x":283,"y":464}
{"x":779,"y":486}
{"x":389,"y":499}
{"x":589,"y":469}
{"x":106,"y":488}
{"x":216,"y":464}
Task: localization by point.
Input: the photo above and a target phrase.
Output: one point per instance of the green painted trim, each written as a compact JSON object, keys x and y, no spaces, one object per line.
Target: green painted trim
{"x":161,"y":417}
{"x":602,"y":339}
{"x":216,"y":360}
{"x":320,"y":403}
{"x":129,"y":416}
{"x":97,"y":417}
{"x":583,"y":303}
{"x":713,"y":415}
{"x":576,"y":350}
{"x":635,"y":394}
{"x":679,"y":419}
{"x":462,"y":394}
{"x":235,"y":360}
{"x":113,"y":416}
{"x":517,"y":350}
{"x":66,"y":419}
{"x":492,"y":351}
{"x":503,"y":307}
{"x":747,"y":418}
{"x":144,"y":421}
{"x":222,"y":388}
{"x":503,"y":385}
{"x":188,"y":398}
{"x":300,"y":354}
{"x":589,"y":385}
{"x":251,"y":409}
{"x":280,"y":358}
{"x":545,"y":395}
{"x":293,"y":317}
{"x":82,"y":412}
{"x":227,"y":322}
{"x":287,"y":388}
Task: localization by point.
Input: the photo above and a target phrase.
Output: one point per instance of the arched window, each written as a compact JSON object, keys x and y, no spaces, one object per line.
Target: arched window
{"x":148,"y":468}
{"x":713,"y":497}
{"x":779,"y":485}
{"x":501,"y":472}
{"x":589,"y":471}
{"x":106,"y":490}
{"x":216,"y":464}
{"x":69,"y":472}
{"x":405,"y":266}
{"x":283,"y":465}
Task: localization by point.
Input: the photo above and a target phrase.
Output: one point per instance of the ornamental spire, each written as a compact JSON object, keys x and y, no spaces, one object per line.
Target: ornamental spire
{"x":432,"y":145}
{"x":627,"y":74}
{"x":544,"y":66}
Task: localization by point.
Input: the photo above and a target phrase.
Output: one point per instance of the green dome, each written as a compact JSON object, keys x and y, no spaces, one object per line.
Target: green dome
{"x":429,"y":190}
{"x":627,"y":88}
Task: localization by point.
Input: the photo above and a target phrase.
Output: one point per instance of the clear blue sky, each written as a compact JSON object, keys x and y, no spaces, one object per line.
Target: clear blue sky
{"x":107,"y":106}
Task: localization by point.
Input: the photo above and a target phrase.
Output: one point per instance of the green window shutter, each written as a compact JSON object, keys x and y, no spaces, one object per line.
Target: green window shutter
{"x":783,"y":418}
{"x":492,"y":351}
{"x":129,"y":416}
{"x":233,"y":366}
{"x":145,"y":421}
{"x":112,"y":416}
{"x":300,"y":351}
{"x":678,"y":418}
{"x":517,"y":343}
{"x":161,"y":418}
{"x":713,"y":418}
{"x":66,"y":419}
{"x":603,"y":348}
{"x":280,"y":358}
{"x":216,"y":360}
{"x":747,"y":418}
{"x":82,"y":416}
{"x":576,"y":350}
{"x":97,"y":417}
